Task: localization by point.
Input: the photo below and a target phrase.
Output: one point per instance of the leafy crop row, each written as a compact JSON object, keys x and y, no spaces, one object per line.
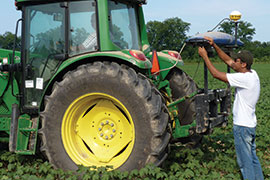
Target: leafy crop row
{"x":213,"y":159}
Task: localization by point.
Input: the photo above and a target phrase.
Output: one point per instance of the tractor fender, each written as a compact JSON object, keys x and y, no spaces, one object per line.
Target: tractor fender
{"x":117,"y":56}
{"x":166,"y":62}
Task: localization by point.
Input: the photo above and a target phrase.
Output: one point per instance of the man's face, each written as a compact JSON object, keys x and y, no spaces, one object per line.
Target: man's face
{"x":238,"y":65}
{"x":93,"y":21}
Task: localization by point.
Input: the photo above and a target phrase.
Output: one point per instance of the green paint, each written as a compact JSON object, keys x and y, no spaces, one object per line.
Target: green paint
{"x":182,"y":99}
{"x":25,"y":135}
{"x":182,"y":131}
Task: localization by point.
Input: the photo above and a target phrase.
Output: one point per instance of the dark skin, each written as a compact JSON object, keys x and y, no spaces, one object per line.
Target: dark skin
{"x":236,"y":65}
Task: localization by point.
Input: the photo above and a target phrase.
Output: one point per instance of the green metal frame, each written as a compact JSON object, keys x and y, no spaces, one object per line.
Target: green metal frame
{"x":6,"y":97}
{"x":24,"y":121}
{"x":26,"y":135}
{"x":179,"y":130}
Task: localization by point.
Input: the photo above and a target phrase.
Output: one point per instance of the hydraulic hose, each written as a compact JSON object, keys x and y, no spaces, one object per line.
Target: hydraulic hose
{"x":174,"y":63}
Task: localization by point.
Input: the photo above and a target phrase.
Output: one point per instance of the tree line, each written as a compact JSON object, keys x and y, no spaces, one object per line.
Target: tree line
{"x":171,"y":34}
{"x":7,"y":41}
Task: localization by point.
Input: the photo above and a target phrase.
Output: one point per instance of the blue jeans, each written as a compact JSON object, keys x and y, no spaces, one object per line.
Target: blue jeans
{"x":245,"y":147}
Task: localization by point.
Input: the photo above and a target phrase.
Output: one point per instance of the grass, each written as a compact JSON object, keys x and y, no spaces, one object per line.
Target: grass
{"x":214,"y":159}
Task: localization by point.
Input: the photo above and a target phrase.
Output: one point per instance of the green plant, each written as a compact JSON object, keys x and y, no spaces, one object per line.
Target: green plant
{"x":214,"y":159}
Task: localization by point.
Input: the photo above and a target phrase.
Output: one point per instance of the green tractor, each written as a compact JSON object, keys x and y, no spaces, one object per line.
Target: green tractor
{"x":87,"y":90}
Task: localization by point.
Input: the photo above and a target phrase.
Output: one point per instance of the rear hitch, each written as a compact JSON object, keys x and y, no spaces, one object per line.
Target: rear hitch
{"x":212,"y":109}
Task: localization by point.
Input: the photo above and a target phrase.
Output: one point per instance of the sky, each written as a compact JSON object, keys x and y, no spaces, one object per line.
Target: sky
{"x":203,"y":15}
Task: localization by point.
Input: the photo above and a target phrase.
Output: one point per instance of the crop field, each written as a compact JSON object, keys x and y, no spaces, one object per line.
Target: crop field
{"x":213,"y":159}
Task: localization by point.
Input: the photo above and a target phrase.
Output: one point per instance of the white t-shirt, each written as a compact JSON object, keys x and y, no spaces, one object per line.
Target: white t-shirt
{"x":247,"y":92}
{"x":90,"y":42}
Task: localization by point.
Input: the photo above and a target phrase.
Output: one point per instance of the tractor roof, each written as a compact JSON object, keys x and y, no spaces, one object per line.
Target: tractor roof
{"x":45,"y":1}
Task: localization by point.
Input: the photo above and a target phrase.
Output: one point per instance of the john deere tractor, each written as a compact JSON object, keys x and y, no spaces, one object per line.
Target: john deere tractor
{"x":87,"y":90}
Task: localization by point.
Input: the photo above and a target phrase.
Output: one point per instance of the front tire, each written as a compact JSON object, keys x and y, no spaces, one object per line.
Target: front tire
{"x":104,"y":114}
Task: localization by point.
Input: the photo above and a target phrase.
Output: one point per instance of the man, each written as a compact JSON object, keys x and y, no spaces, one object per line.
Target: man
{"x":89,"y":43}
{"x":247,"y":90}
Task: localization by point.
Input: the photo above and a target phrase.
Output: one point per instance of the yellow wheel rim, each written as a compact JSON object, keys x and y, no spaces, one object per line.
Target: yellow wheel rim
{"x":97,"y":130}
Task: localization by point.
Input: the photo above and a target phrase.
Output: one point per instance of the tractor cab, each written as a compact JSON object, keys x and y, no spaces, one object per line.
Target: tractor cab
{"x":56,"y":31}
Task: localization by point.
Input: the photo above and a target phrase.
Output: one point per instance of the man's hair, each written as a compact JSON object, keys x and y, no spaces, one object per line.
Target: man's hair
{"x":245,"y":56}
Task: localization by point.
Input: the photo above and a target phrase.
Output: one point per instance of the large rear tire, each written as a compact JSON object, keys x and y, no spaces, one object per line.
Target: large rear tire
{"x":182,"y":85}
{"x":104,"y":114}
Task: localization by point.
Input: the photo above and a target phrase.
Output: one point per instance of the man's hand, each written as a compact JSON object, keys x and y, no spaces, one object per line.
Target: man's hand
{"x":202,"y":52}
{"x":215,"y":73}
{"x":210,"y":40}
{"x":227,"y":59}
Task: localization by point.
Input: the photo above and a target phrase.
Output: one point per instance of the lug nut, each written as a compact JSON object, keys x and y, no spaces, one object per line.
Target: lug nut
{"x":112,"y":124}
{"x":99,"y":129}
{"x":102,"y":124}
{"x":106,"y":137}
{"x":111,"y":136}
{"x":113,"y":130}
{"x":101,"y":134}
{"x":107,"y":122}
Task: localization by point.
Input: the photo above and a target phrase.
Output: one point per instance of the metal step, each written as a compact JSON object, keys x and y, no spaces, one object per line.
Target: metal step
{"x":29,"y":134}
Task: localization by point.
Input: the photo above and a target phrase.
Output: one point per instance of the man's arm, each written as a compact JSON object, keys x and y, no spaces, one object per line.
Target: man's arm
{"x":227,"y":59}
{"x":215,"y":73}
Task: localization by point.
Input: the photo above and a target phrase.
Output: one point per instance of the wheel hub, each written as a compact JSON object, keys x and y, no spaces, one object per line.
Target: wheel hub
{"x":107,"y":129}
